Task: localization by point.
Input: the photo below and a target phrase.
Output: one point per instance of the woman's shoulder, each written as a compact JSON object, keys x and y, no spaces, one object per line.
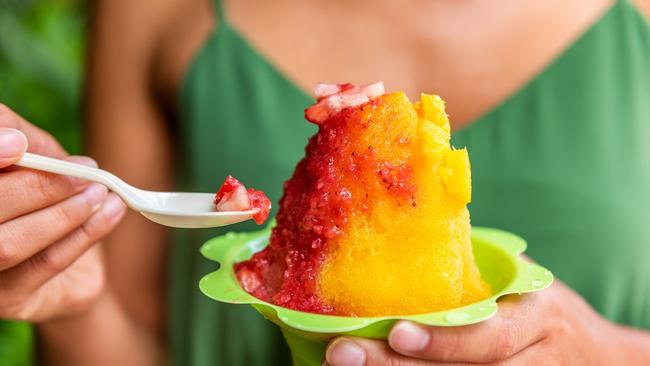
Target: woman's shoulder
{"x":151,"y":41}
{"x":180,"y":39}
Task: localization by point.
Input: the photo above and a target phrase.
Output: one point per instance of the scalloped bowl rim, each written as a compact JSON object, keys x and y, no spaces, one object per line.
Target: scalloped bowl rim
{"x":222,"y":285}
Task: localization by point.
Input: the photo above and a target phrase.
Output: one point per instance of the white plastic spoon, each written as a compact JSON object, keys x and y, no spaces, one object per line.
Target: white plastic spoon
{"x":175,"y":209}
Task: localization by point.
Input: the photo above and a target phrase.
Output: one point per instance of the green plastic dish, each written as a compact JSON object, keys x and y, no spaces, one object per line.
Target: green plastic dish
{"x":496,"y":253}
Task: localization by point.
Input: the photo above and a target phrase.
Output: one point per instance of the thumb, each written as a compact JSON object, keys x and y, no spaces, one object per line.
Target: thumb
{"x":12,"y":146}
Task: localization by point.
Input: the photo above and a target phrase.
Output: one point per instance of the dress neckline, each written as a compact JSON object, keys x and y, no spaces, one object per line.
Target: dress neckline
{"x":225,"y":29}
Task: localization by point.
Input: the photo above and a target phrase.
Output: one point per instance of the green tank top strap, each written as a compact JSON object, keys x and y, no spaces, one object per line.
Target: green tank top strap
{"x":218,"y":9}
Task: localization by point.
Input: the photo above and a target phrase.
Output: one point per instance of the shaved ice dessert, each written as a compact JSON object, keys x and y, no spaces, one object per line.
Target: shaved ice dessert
{"x":233,"y":196}
{"x":374,"y":220}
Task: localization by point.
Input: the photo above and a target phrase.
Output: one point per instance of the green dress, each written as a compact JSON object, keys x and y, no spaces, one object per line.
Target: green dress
{"x":564,"y":162}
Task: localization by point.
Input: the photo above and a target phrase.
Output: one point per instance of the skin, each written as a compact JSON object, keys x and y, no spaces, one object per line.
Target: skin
{"x":139,"y":53}
{"x":50,"y":266}
{"x":555,"y":326}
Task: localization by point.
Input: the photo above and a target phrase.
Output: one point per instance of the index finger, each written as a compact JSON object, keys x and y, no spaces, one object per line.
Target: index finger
{"x":516,"y":326}
{"x":25,"y":190}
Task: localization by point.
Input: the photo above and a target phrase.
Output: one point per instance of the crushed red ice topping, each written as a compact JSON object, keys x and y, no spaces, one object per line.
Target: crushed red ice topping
{"x":261,"y":203}
{"x":233,"y":196}
{"x":316,"y":201}
{"x":332,"y":98}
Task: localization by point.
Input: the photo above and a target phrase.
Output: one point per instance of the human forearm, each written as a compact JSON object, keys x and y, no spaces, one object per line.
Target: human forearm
{"x":104,"y":335}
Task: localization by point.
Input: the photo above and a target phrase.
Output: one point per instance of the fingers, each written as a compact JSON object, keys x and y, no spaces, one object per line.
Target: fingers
{"x":533,"y":355}
{"x":515,"y":327}
{"x":13,"y":144}
{"x":27,"y":235}
{"x":349,"y":351}
{"x":40,"y":142}
{"x":38,"y":269}
{"x":25,"y":190}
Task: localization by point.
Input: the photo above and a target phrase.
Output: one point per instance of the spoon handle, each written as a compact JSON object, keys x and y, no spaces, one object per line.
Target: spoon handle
{"x":44,"y":163}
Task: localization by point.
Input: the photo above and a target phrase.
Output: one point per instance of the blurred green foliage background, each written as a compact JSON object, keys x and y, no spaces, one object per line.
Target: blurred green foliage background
{"x":41,"y":59}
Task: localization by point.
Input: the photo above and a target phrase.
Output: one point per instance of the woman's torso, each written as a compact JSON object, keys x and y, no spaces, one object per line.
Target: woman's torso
{"x":557,"y":143}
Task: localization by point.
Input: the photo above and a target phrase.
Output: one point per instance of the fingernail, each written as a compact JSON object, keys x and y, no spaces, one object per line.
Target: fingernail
{"x":12,"y":143}
{"x":81,"y":160}
{"x":345,"y":353}
{"x":113,"y":206}
{"x":408,"y":337}
{"x":94,"y":195}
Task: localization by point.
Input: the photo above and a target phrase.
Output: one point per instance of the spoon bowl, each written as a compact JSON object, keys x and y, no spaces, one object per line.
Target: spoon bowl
{"x":189,"y":210}
{"x":174,"y":209}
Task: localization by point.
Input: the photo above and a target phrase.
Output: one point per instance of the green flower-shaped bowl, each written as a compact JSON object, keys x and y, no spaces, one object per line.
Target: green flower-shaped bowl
{"x":496,"y":253}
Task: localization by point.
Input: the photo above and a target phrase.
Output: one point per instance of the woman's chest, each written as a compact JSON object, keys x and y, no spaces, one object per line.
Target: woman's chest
{"x":474,"y":54}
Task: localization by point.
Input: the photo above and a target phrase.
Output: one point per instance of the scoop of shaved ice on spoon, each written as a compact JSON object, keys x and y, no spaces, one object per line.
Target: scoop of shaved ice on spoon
{"x":233,"y":196}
